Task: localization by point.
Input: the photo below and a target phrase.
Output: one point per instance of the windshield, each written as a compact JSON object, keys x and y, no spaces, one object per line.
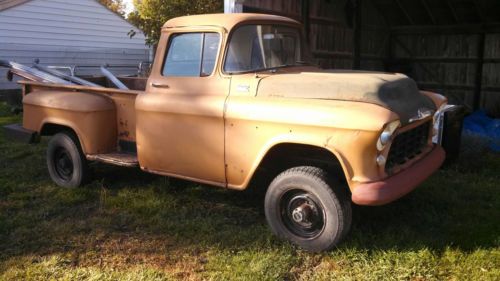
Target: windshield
{"x":261,"y":47}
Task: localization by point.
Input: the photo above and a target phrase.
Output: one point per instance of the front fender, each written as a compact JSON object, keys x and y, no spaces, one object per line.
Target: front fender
{"x":348,"y":130}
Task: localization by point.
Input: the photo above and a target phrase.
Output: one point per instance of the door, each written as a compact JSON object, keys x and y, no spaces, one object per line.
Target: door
{"x":180,"y":124}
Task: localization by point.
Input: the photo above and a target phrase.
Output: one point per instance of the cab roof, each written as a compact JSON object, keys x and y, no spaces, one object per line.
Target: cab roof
{"x":227,"y":21}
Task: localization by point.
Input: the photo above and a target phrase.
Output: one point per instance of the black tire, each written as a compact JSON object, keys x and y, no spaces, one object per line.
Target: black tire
{"x":303,"y":206}
{"x":66,"y":162}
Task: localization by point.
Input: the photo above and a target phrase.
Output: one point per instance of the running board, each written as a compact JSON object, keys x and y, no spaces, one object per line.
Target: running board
{"x":116,"y":158}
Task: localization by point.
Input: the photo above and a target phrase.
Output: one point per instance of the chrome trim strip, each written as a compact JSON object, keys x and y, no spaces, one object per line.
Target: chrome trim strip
{"x":439,"y":122}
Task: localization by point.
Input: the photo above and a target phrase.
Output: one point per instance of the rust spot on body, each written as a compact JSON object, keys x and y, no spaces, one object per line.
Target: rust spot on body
{"x":123,"y":123}
{"x":327,"y":141}
{"x":124,"y":134}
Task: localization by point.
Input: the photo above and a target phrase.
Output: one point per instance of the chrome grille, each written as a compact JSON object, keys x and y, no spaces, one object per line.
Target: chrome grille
{"x":407,"y":146}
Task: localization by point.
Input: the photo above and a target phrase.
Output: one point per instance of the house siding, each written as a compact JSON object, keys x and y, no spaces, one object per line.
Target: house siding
{"x":78,"y":32}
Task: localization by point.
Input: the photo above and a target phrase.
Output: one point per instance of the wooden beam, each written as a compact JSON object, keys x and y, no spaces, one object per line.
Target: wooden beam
{"x":455,"y":87}
{"x":434,"y":86}
{"x":479,"y":11}
{"x":330,"y":54}
{"x":380,"y":11}
{"x":306,"y":19}
{"x":447,"y":29}
{"x":403,"y":10}
{"x":345,"y":55}
{"x":491,"y":88}
{"x":449,"y":60}
{"x":383,"y":49}
{"x":452,"y":10}
{"x":429,"y":12}
{"x":479,"y":71}
{"x":325,"y":20}
{"x":390,"y":48}
{"x":357,"y":33}
{"x":491,"y":60}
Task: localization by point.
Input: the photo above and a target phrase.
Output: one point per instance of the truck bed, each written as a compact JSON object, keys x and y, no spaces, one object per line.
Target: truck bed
{"x":124,"y":104}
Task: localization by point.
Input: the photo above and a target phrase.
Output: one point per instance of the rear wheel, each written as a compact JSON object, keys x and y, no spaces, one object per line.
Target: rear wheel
{"x":66,"y":162}
{"x":303,"y":206}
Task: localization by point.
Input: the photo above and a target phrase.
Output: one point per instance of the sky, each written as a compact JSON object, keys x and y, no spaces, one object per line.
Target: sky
{"x":129,"y":6}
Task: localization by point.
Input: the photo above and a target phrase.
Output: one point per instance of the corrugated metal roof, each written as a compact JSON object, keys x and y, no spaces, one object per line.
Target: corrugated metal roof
{"x":5,"y":4}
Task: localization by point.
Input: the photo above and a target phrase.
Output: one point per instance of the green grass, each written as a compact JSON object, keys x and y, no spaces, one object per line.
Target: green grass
{"x":129,"y":225}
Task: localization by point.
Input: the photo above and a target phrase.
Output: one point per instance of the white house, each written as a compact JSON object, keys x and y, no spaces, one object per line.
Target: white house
{"x":59,"y":32}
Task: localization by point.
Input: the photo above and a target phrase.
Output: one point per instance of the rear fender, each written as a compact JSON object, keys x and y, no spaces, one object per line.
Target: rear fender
{"x":92,"y":117}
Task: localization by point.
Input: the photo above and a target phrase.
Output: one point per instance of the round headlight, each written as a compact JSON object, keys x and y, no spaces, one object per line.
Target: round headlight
{"x":385,"y":138}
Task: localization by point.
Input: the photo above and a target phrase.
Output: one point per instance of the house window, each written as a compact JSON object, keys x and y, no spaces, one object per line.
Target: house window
{"x":191,"y":55}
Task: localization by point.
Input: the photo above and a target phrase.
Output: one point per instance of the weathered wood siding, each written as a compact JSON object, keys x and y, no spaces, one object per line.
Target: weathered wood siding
{"x":77,"y":32}
{"x":447,"y":63}
{"x":491,"y":75}
{"x":331,"y":32}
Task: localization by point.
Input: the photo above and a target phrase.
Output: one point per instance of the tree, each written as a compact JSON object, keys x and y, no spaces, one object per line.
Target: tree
{"x":116,"y":6}
{"x":150,"y":15}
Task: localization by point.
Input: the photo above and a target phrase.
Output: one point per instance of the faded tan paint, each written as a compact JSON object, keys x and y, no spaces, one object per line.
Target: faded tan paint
{"x":96,"y":130}
{"x":88,"y":103}
{"x":180,"y":125}
{"x":313,"y":122}
{"x":218,"y":129}
{"x":225,"y":21}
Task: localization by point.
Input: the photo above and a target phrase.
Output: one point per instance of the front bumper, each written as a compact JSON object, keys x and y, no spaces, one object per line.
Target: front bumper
{"x":397,"y":186}
{"x":16,"y":132}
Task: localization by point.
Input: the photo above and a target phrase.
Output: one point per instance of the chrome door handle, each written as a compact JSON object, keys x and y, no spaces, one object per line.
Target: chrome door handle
{"x":159,"y":85}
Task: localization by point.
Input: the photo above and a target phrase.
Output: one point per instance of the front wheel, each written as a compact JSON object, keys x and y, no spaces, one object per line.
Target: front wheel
{"x":66,"y":162}
{"x":303,"y":207}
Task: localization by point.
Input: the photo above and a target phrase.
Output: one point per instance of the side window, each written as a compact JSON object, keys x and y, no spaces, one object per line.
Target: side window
{"x":191,"y":55}
{"x":210,"y":49}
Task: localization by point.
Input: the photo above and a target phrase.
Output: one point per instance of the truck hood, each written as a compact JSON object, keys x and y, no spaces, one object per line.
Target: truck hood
{"x":395,"y":92}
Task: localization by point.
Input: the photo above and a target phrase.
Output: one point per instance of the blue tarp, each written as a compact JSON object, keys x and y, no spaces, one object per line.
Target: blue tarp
{"x":479,"y":124}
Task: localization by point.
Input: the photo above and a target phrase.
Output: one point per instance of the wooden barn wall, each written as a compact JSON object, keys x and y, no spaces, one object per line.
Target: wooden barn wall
{"x":447,"y":63}
{"x":331,"y":34}
{"x":491,"y":76}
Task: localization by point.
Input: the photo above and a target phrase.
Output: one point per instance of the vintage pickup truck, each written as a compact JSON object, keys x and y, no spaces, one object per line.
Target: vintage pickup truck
{"x":233,"y":101}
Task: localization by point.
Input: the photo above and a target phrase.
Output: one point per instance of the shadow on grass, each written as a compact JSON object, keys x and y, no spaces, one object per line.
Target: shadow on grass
{"x":454,"y":208}
{"x":125,"y":212}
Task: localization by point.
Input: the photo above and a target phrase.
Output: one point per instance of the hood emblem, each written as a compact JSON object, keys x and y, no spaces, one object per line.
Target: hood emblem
{"x":421,"y":115}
